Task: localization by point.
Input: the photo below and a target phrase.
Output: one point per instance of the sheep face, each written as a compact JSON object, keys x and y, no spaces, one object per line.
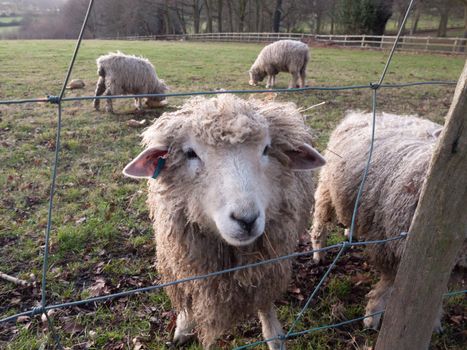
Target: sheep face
{"x":256,"y":76}
{"x":227,"y":165}
{"x":236,"y":181}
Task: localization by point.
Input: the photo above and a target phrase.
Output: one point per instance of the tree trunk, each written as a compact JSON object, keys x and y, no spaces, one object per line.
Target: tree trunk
{"x":332,"y":24}
{"x":418,"y":10}
{"x":464,"y":42}
{"x":437,"y":234}
{"x":400,"y":19}
{"x":208,"y":5}
{"x":443,"y":21}
{"x":181,"y":18}
{"x":465,"y":18}
{"x":168,"y":24}
{"x":257,"y":16}
{"x":219,"y":15}
{"x":229,"y":7}
{"x":241,"y":14}
{"x":196,"y":16}
{"x":318,"y":23}
{"x":276,"y":22}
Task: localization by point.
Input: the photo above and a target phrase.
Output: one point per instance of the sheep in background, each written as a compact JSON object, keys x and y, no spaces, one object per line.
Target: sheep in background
{"x":281,"y":56}
{"x":402,"y":151}
{"x":121,"y":74}
{"x":233,"y":191}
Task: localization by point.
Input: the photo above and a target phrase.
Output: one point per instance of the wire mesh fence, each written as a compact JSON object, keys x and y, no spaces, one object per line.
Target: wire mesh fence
{"x":341,"y":247}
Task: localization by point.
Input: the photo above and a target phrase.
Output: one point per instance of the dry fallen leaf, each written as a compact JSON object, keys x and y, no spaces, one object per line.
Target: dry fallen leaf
{"x":98,"y":288}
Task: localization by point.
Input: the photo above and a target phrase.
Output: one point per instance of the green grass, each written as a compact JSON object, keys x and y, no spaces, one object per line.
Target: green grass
{"x":425,"y":23}
{"x":101,"y":230}
{"x":10,"y":19}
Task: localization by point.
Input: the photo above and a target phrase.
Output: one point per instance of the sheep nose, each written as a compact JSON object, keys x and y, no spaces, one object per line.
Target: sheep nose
{"x":246,"y":222}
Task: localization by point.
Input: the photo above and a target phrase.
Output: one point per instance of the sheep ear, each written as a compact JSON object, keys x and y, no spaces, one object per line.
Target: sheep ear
{"x":145,"y":164}
{"x":305,"y":158}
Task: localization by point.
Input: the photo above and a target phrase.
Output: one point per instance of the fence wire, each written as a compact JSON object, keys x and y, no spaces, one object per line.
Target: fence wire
{"x":342,"y":247}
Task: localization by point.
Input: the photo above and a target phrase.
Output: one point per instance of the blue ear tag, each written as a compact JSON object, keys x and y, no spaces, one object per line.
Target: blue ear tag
{"x":160,"y":165}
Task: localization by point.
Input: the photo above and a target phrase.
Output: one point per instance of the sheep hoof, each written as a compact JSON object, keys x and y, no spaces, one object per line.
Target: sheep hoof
{"x":162,"y":103}
{"x":372,"y":322}
{"x":182,"y":338}
{"x":318,"y":258}
{"x":276,"y":345}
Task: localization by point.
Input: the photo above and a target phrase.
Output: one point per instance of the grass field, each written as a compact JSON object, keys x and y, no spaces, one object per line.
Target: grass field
{"x":426,"y":23}
{"x":8,"y":20}
{"x":101,"y":236}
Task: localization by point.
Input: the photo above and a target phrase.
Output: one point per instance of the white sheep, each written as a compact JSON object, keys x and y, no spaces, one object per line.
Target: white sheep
{"x":121,"y":74}
{"x":281,"y":56}
{"x":233,"y":191}
{"x":402,"y":151}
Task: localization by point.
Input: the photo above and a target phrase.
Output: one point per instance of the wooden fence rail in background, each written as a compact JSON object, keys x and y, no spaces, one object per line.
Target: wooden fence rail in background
{"x":407,"y":43}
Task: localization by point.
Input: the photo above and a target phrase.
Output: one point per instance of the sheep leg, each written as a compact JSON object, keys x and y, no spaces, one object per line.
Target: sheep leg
{"x":301,"y":81}
{"x":273,"y":81}
{"x":271,"y":328}
{"x":139,"y":103}
{"x":269,"y":83}
{"x":100,"y":88}
{"x":294,"y":81}
{"x":184,"y":328}
{"x":377,"y":300}
{"x":108,"y":101}
{"x":321,"y":218}
{"x":347,"y":233}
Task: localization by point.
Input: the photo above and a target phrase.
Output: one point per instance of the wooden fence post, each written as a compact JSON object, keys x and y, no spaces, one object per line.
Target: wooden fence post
{"x":437,"y":233}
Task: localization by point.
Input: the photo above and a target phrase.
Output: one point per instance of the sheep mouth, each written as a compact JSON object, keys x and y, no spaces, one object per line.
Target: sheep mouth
{"x":242,"y":238}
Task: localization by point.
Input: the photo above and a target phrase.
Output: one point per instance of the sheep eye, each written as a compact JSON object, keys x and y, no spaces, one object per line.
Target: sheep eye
{"x":190,"y":154}
{"x":266,"y":150}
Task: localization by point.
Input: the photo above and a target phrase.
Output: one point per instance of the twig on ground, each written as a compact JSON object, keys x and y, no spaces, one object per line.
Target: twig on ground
{"x":14,"y":279}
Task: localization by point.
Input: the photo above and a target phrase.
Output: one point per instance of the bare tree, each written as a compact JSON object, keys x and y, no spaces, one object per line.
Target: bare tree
{"x":231,"y":16}
{"x":208,"y":6}
{"x":416,"y":17}
{"x":276,"y":23}
{"x":196,"y":15}
{"x":219,"y":15}
{"x":242,"y":13}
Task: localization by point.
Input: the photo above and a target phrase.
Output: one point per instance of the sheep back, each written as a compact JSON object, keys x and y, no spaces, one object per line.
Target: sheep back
{"x":126,"y":74}
{"x":402,"y":151}
{"x":282,"y":56}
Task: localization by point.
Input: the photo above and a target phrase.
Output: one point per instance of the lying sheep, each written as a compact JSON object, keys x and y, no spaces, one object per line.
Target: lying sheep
{"x":402,"y":151}
{"x":281,"y":56}
{"x":121,"y":74}
{"x":233,"y":191}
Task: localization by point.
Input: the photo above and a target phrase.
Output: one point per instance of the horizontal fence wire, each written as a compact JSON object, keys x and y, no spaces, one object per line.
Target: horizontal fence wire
{"x":54,"y":99}
{"x":36,"y":311}
{"x":342,"y":247}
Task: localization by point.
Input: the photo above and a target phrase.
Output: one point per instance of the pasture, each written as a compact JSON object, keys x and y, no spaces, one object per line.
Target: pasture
{"x":102,"y":237}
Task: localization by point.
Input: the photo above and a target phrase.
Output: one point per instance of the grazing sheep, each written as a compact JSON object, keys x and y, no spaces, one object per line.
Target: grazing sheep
{"x":121,"y":74}
{"x":281,"y":56}
{"x":402,"y":151}
{"x":230,"y":194}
